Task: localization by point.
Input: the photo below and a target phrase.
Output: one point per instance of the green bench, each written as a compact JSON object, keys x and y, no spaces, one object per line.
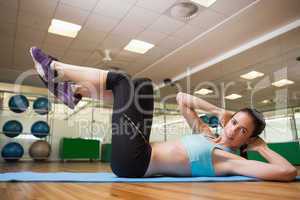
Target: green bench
{"x":78,"y":148}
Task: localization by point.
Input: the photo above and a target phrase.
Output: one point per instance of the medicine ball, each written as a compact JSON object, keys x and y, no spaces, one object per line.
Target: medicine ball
{"x":18,"y":103}
{"x":12,"y":128}
{"x":205,"y":119}
{"x":42,"y":105}
{"x":213,"y":121}
{"x":40,"y":150}
{"x":40,"y":129}
{"x":12,"y":151}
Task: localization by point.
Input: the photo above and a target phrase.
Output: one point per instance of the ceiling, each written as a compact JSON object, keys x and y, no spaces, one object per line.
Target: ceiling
{"x":276,"y":58}
{"x":111,"y":24}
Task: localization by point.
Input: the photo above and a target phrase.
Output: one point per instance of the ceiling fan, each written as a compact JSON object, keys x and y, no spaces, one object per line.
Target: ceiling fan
{"x":249,"y":86}
{"x":104,"y":60}
{"x":103,"y":57}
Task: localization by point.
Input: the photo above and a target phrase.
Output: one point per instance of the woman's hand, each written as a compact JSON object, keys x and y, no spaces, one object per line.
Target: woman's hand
{"x":255,"y":144}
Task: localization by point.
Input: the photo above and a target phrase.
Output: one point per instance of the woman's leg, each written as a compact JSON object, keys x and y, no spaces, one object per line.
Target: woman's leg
{"x":131,"y":124}
{"x":89,"y":82}
{"x":77,"y":81}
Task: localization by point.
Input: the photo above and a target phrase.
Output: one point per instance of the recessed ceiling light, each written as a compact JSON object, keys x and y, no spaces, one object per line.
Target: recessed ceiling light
{"x":205,"y":3}
{"x":252,"y":75}
{"x":138,"y":46}
{"x":266,"y":101}
{"x":283,"y":82}
{"x":204,"y":91}
{"x":233,"y":96}
{"x":64,"y":28}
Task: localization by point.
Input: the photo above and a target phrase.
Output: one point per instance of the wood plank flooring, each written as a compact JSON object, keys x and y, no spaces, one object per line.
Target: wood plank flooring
{"x":159,"y":191}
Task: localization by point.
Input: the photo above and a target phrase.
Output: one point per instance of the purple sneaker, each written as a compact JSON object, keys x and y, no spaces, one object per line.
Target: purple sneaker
{"x":42,"y":64}
{"x":62,"y":90}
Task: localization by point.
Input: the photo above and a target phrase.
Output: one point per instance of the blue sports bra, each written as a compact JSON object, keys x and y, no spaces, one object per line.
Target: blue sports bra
{"x":199,"y":150}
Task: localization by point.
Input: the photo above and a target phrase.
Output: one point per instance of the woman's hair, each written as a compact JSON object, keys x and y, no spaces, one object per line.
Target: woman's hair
{"x":258,"y":119}
{"x":259,"y":126}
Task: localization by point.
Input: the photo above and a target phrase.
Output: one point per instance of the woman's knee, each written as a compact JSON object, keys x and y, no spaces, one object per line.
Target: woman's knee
{"x":116,"y":78}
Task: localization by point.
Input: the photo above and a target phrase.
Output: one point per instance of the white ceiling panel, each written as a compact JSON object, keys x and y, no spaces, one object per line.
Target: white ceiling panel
{"x":101,"y":23}
{"x":171,"y":43}
{"x":156,"y":53}
{"x":229,"y":8}
{"x":141,"y":16}
{"x":76,"y":57}
{"x":6,"y":52}
{"x":290,"y":41}
{"x":24,"y":46}
{"x":153,"y":37}
{"x":127,"y":30}
{"x":135,"y":67}
{"x":115,"y":9}
{"x":82,"y":45}
{"x":188,"y":32}
{"x":71,"y":14}
{"x":120,"y":64}
{"x":22,"y":61}
{"x":34,"y":21}
{"x":93,"y":59}
{"x":6,"y":58}
{"x":158,"y":6}
{"x":112,"y":24}
{"x":29,"y":34}
{"x":86,"y":4}
{"x":6,"y":42}
{"x":22,"y":58}
{"x":91,"y":35}
{"x":166,"y":25}
{"x":43,"y":8}
{"x":8,"y":14}
{"x":10,"y":3}
{"x":115,"y":42}
{"x":128,"y":56}
{"x":207,"y":19}
{"x":58,"y":41}
{"x":54,"y":51}
{"x":7,"y":30}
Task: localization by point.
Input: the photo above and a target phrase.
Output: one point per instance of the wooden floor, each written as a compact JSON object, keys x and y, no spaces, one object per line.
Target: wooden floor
{"x":161,"y":191}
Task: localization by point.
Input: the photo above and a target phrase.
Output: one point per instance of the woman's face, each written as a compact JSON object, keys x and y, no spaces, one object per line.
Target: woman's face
{"x":238,"y":130}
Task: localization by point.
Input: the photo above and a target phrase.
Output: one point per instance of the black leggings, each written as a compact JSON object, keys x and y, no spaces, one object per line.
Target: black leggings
{"x":131,"y":124}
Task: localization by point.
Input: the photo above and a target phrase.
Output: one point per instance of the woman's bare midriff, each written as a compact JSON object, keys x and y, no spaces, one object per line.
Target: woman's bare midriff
{"x":168,"y":158}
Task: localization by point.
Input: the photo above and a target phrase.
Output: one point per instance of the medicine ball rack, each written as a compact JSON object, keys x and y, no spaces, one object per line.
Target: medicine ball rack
{"x":7,"y":114}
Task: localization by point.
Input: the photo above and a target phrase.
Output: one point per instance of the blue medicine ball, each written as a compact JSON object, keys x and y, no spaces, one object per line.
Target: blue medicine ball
{"x":18,"y":103}
{"x":214,"y":121}
{"x":12,"y":151}
{"x":205,"y":119}
{"x":12,"y":128}
{"x":40,"y":129}
{"x":42,"y":105}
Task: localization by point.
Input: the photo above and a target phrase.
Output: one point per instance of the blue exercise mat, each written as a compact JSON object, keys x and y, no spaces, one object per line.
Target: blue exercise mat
{"x":102,"y":177}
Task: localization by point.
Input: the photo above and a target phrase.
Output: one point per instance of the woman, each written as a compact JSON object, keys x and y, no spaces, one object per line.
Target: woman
{"x":133,"y":156}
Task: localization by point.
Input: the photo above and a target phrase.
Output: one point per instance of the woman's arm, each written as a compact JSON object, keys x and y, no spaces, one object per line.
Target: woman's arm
{"x":193,"y":102}
{"x":187,"y":105}
{"x":190,"y":114}
{"x":278,"y":167}
{"x":259,"y":145}
{"x":261,"y":170}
